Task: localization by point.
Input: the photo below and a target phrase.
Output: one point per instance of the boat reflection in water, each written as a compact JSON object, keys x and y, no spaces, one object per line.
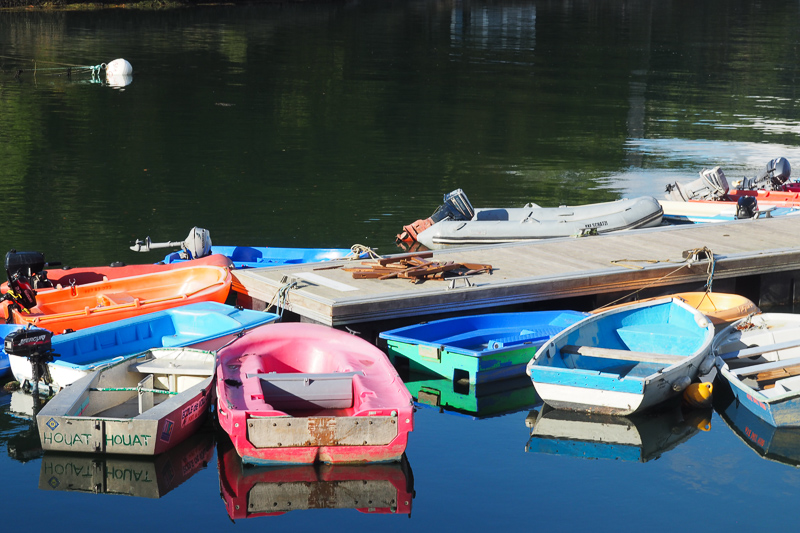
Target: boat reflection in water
{"x":23,"y":442}
{"x":483,"y":400}
{"x":144,"y":477}
{"x":641,"y":437}
{"x":251,"y":491}
{"x":781,"y":445}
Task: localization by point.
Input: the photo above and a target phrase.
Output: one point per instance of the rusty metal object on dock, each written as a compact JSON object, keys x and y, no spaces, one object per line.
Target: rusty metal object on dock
{"x":415,"y":267}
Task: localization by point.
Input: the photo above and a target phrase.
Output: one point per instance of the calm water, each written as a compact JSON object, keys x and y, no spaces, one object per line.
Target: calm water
{"x":330,"y":124}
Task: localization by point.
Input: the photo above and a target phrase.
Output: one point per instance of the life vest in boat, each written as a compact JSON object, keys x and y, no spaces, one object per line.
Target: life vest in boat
{"x":20,"y":292}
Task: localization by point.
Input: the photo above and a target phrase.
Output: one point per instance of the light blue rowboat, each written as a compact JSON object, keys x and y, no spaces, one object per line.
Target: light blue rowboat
{"x":759,"y":356}
{"x":258,"y":257}
{"x":477,"y":348}
{"x":624,"y":360}
{"x":205,"y":326}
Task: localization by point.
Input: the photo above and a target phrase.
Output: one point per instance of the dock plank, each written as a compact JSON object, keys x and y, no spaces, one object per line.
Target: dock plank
{"x":536,"y":271}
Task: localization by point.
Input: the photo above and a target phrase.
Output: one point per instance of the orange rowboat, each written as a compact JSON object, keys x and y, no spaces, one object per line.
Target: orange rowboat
{"x":63,"y":277}
{"x":719,"y":307}
{"x":81,"y":306}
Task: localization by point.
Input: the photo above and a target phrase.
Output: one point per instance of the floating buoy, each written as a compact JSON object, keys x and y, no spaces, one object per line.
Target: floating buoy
{"x":698,"y":394}
{"x":119,"y":67}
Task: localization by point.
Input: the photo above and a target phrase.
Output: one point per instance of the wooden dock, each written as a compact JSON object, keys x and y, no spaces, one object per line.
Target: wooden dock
{"x":540,"y":270}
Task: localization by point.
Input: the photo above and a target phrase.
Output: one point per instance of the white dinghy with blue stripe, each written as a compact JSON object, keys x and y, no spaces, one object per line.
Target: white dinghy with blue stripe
{"x":202,"y":325}
{"x":759,"y":356}
{"x":624,"y":360}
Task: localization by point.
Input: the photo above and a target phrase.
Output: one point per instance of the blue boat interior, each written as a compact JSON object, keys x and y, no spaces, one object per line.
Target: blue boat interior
{"x":487,"y":332}
{"x":259,"y":256}
{"x":665,"y":329}
{"x":179,"y":327}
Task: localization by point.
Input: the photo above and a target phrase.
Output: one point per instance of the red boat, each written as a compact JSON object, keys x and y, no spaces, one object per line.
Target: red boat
{"x":297,"y":393}
{"x":767,"y":198}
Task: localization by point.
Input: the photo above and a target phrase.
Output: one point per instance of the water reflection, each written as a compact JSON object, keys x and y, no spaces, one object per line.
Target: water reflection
{"x":781,"y":445}
{"x":23,"y":441}
{"x":494,"y":27}
{"x":250,"y":492}
{"x":118,"y":81}
{"x":476,"y":401}
{"x":733,"y":156}
{"x":639,"y":438}
{"x":144,"y":477}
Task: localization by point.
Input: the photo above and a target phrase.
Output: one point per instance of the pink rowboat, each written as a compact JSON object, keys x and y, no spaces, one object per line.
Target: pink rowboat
{"x":299,"y":393}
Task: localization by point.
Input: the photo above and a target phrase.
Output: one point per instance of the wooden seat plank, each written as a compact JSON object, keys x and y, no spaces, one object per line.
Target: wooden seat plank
{"x":763,"y":367}
{"x":624,"y":355}
{"x":760,"y":350}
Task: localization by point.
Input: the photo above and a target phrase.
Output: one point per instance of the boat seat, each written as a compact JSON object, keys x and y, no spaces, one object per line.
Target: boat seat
{"x":170,"y":366}
{"x":332,"y":390}
{"x":652,"y":337}
{"x":525,"y":335}
{"x":782,"y":386}
{"x":623,"y":355}
{"x":763,"y":367}
{"x":114,"y":298}
{"x":178,"y":340}
{"x":760,"y":350}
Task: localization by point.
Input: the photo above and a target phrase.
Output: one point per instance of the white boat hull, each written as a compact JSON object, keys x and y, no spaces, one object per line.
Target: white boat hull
{"x":624,"y":360}
{"x":499,"y":225}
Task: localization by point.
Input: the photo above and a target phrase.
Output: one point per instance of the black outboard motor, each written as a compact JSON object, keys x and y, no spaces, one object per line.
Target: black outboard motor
{"x":781,"y":169}
{"x":31,"y":265}
{"x":37,"y":345}
{"x":746,"y":207}
{"x":456,"y":206}
{"x":773,"y":178}
{"x":25,"y":271}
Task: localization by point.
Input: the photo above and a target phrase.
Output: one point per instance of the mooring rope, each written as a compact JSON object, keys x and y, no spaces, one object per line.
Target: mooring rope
{"x":280,"y":298}
{"x":357,"y":250}
{"x":692,"y":256}
{"x":66,"y":68}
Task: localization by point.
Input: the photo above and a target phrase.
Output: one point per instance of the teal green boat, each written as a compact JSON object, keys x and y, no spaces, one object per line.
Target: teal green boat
{"x":477,"y":348}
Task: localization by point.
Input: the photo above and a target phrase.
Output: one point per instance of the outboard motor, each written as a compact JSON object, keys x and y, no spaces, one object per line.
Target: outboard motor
{"x":195,"y":246}
{"x":773,"y":178}
{"x":30,"y":265}
{"x":712,"y":185}
{"x":25,"y":271}
{"x":456,"y":206}
{"x":36,"y":345}
{"x":746,"y":207}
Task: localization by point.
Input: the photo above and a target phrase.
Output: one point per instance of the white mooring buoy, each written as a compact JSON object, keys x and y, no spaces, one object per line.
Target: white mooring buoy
{"x":119,"y":67}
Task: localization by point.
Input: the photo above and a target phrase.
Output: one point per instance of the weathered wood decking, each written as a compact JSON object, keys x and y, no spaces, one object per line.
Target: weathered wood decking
{"x":536,"y":271}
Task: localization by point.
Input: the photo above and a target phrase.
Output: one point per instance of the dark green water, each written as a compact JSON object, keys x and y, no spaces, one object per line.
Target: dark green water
{"x":330,"y":124}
